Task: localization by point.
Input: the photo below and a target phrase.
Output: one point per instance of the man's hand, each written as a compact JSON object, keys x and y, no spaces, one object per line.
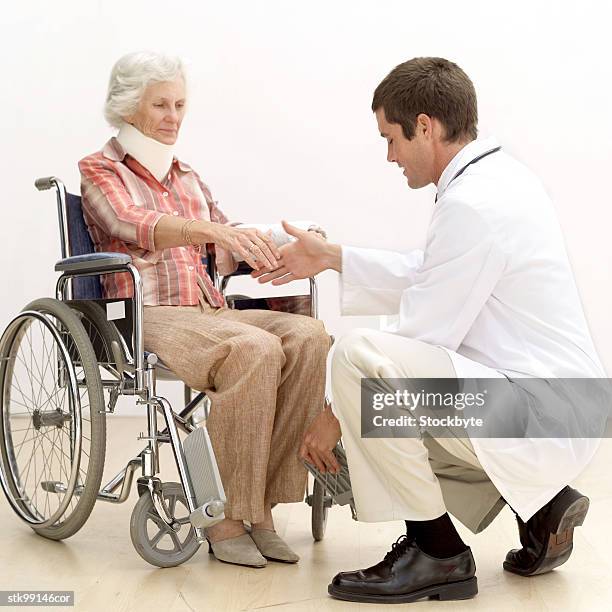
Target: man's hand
{"x":306,"y":256}
{"x":319,"y":441}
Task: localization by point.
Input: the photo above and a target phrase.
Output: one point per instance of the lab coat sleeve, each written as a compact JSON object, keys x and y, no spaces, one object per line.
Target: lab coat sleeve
{"x":462,"y":264}
{"x":373,"y":280}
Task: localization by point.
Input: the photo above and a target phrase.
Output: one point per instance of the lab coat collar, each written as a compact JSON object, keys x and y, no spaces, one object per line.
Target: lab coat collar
{"x":471,"y":151}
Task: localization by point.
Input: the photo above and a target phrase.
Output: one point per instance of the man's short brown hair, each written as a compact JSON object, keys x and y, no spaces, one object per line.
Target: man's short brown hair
{"x":433,"y":86}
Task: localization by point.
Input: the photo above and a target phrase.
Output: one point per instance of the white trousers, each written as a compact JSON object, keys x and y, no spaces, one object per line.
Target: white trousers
{"x":406,"y":478}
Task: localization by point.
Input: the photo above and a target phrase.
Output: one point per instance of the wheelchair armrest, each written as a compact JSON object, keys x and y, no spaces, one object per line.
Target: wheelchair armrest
{"x":93,"y":262}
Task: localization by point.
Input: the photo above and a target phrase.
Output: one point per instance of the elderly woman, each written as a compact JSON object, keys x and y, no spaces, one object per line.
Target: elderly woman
{"x":263,"y":371}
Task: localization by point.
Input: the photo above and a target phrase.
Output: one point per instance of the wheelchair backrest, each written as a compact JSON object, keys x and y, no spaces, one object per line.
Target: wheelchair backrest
{"x":79,"y":243}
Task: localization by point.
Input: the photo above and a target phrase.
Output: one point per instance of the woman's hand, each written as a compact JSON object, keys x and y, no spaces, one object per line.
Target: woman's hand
{"x":319,"y":441}
{"x":256,"y":248}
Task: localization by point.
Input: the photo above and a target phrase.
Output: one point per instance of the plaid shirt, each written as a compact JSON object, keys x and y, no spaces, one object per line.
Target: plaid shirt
{"x":122,"y":203}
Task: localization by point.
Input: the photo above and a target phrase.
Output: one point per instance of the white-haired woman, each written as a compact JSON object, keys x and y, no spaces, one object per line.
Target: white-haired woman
{"x":264,"y":371}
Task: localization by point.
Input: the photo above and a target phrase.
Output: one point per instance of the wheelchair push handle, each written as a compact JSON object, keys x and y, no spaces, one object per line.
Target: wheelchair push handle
{"x":45,"y":182}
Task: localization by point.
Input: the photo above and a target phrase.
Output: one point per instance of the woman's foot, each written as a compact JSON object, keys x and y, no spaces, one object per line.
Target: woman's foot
{"x":268,"y":521}
{"x":225,"y":530}
{"x":269,"y":543}
{"x":230,"y":543}
{"x":273,"y":547}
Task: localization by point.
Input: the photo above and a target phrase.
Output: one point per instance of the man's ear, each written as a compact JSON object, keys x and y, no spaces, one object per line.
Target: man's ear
{"x":425,"y":125}
{"x":437,"y":131}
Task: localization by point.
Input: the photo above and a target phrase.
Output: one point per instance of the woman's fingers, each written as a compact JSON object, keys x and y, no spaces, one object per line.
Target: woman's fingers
{"x":248,"y":256}
{"x":260,"y":248}
{"x":267,"y":237}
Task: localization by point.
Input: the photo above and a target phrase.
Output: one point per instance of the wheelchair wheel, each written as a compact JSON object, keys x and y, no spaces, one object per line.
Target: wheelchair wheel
{"x":153,"y":540}
{"x":320,"y":508}
{"x":100,"y":330}
{"x":52,"y":421}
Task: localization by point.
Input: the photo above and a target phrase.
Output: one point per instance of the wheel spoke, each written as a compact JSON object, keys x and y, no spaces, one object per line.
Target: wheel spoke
{"x":153,"y":516}
{"x":23,"y":395}
{"x":41,"y":382}
{"x":158,"y":536}
{"x":178,"y":545}
{"x":27,"y":468}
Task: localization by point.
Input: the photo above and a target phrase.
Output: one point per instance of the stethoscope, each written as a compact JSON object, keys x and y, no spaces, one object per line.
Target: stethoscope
{"x":476,"y":159}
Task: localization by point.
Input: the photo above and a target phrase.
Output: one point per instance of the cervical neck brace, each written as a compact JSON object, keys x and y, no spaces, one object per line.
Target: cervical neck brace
{"x":155,"y":156}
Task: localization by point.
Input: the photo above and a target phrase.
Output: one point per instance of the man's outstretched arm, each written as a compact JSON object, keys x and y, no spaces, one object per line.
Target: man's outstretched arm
{"x":372,"y":280}
{"x":308,"y":255}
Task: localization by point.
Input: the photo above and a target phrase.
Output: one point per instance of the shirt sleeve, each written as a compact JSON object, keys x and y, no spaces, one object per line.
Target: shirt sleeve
{"x":224,"y":260}
{"x":462,"y":265}
{"x":216,"y":214}
{"x":373,"y":280}
{"x":107,"y":202}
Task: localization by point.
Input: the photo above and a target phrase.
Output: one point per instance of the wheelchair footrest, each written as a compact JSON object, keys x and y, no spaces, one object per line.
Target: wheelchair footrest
{"x":338,"y":486}
{"x":205,"y":479}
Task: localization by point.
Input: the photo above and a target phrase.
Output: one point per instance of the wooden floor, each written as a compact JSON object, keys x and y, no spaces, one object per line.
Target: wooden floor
{"x":106,"y":573}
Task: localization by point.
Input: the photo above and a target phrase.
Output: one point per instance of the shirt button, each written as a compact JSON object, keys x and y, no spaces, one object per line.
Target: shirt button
{"x":191,"y":267}
{"x":165,"y":194}
{"x":175,"y":212}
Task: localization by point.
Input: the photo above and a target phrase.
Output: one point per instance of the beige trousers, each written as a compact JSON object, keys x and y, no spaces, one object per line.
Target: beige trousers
{"x":264,"y":372}
{"x":406,"y":478}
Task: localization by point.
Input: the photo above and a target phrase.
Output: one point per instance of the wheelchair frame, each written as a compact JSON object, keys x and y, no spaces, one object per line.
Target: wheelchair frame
{"x":136,"y":375}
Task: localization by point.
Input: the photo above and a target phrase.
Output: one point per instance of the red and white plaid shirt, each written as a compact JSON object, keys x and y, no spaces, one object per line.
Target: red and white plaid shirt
{"x":122,"y":203}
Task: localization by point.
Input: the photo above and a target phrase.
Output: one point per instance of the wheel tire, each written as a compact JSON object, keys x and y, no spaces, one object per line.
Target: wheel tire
{"x":319,"y":512}
{"x":144,"y":511}
{"x":79,"y":347}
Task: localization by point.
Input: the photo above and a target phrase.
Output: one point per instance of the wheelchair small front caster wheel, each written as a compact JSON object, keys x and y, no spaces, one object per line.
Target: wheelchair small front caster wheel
{"x":156,"y":542}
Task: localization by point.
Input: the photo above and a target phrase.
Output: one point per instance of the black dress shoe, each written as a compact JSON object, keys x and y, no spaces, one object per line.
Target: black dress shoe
{"x":547,"y":537}
{"x":407,"y":574}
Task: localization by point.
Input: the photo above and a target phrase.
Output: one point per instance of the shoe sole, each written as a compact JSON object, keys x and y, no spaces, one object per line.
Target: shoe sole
{"x":560,"y":542}
{"x":465,"y":589}
{"x":276,"y":560}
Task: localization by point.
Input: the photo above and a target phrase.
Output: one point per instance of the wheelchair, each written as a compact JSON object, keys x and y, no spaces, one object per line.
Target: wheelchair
{"x":64,"y":362}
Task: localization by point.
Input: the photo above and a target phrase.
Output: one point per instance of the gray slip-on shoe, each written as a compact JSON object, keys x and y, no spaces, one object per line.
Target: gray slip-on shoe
{"x":272,"y":546}
{"x":239,"y":551}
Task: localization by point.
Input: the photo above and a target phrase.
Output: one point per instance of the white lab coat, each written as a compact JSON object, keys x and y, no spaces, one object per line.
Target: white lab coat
{"x":493,"y":287}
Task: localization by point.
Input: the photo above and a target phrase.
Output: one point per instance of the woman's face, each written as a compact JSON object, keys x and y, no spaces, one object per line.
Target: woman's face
{"x":161,"y":110}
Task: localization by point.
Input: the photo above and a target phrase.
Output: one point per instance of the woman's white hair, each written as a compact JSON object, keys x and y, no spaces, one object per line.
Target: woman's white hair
{"x":129,"y":78}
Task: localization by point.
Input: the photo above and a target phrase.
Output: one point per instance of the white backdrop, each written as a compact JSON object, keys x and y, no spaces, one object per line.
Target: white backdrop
{"x":280,"y":125}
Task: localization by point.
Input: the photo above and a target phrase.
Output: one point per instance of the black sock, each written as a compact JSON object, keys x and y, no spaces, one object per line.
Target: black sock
{"x":437,"y":537}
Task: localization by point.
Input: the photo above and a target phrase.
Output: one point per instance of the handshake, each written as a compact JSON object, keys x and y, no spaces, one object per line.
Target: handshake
{"x":280,"y":253}
{"x":278,"y":234}
{"x":301,"y":251}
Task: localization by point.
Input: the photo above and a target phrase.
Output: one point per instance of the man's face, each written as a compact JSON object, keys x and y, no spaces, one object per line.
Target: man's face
{"x":415,"y":157}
